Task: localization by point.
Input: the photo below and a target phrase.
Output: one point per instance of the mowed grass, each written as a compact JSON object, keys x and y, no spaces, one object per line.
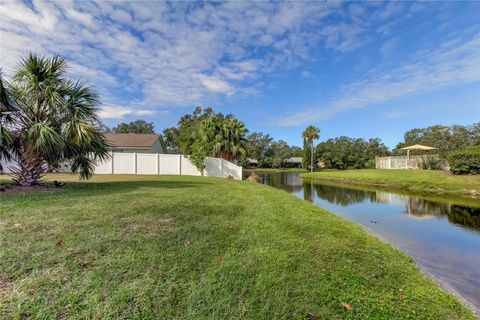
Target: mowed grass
{"x":165,"y":247}
{"x":421,"y":181}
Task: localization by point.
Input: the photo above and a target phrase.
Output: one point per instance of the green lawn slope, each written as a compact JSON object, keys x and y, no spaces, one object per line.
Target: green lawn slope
{"x":164,"y":247}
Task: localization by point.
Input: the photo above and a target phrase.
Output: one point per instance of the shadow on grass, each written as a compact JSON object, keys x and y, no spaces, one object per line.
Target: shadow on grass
{"x":86,"y":188}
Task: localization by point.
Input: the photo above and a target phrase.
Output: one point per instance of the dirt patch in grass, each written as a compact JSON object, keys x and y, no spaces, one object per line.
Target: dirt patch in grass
{"x":5,"y":288}
{"x":16,"y":189}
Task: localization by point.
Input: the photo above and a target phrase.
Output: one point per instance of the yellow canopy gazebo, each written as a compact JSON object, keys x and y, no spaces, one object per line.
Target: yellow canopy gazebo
{"x":417,"y":147}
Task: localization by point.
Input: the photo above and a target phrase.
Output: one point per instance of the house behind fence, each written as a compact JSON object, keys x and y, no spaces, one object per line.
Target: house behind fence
{"x":406,"y":162}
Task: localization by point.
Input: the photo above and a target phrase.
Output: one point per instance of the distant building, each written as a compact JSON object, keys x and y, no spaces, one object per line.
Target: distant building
{"x":293,"y":162}
{"x":252,"y":163}
{"x":136,"y":142}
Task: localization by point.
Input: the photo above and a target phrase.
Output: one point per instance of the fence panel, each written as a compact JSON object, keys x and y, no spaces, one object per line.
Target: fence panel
{"x":123,"y":163}
{"x":147,"y":163}
{"x":169,"y":164}
{"x":188,"y":168}
{"x":213,"y":167}
{"x":231,"y":169}
{"x":404,"y":162}
{"x":104,"y":167}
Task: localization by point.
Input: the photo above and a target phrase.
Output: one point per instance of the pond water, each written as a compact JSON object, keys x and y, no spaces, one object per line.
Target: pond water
{"x":442,"y":237}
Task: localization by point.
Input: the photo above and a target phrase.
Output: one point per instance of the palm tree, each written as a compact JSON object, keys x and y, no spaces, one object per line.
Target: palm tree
{"x":311,"y":134}
{"x":217,"y":136}
{"x":225,"y":135}
{"x":54,"y":121}
{"x":6,"y":109}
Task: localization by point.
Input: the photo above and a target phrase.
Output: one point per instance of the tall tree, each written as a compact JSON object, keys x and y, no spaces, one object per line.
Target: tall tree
{"x":257,"y":145}
{"x":205,"y":133}
{"x":137,"y":126}
{"x":309,"y":135}
{"x":170,"y":136}
{"x":444,"y":138}
{"x":55,"y":121}
{"x":218,"y":136}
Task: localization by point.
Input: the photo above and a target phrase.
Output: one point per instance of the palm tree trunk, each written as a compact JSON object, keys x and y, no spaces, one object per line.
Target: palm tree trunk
{"x":28,"y":174}
{"x":30,"y":170}
{"x":311,"y":158}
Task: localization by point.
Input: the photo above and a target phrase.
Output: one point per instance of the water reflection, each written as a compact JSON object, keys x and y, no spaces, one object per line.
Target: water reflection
{"x":415,"y":207}
{"x":442,"y":237}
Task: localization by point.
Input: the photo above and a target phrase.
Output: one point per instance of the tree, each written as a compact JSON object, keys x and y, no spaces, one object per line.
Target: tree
{"x":137,"y":126}
{"x":205,"y":133}
{"x":54,"y":121}
{"x":218,"y":136}
{"x":6,"y":109}
{"x":257,"y":146}
{"x":170,"y":136}
{"x":444,"y":138}
{"x":280,"y":150}
{"x":188,"y":127}
{"x":309,"y":136}
{"x":348,"y":153}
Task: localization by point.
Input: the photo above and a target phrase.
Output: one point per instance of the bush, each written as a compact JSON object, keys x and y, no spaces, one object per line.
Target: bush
{"x":465,"y":161}
{"x":432,"y":163}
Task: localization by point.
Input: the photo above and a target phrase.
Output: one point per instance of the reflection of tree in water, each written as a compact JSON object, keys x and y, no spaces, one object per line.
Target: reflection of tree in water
{"x":307,"y":191}
{"x":289,"y":181}
{"x":465,"y":216}
{"x":414,"y":206}
{"x":343,"y":196}
{"x":423,"y":208}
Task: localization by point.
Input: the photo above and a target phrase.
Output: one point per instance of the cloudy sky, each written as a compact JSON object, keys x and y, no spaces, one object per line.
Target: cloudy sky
{"x":361,"y":69}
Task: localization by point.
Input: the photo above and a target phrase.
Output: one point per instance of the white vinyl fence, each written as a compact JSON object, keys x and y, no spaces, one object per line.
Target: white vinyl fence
{"x":158,"y":163}
{"x":404,"y":162}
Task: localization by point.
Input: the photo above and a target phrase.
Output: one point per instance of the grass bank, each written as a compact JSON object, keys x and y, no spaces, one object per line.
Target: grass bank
{"x":273,"y":170}
{"x":199,"y":248}
{"x":419,"y":181}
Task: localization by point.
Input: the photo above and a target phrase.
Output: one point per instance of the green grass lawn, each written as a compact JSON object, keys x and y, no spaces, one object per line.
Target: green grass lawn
{"x":421,"y":181}
{"x":166,"y":247}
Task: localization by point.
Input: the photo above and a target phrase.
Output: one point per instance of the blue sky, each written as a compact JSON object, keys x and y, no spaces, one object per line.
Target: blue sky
{"x":361,"y":69}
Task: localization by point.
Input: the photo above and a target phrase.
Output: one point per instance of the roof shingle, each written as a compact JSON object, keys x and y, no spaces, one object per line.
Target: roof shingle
{"x":118,"y":140}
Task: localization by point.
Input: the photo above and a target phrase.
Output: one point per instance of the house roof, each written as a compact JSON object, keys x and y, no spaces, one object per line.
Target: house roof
{"x":131,"y":140}
{"x":252,"y":161}
{"x":293,"y":160}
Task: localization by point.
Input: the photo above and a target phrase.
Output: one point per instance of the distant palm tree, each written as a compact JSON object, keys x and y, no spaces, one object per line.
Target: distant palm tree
{"x":54,"y":121}
{"x":311,"y":134}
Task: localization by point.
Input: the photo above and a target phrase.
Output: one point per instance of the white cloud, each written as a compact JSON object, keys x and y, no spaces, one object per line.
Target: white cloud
{"x":119,"y":112}
{"x":172,"y":54}
{"x":151,"y":55}
{"x":214,"y":84}
{"x":451,"y":64}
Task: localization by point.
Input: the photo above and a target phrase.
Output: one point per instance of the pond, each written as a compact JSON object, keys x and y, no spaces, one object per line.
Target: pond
{"x":442,"y":237}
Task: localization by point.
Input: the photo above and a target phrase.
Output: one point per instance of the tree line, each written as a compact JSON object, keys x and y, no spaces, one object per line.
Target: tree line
{"x":47,"y":119}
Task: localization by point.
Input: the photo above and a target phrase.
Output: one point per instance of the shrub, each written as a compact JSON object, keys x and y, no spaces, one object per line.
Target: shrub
{"x":432,"y":163}
{"x":465,"y":161}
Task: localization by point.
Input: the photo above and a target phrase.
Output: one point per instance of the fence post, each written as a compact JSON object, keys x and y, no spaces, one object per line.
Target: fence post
{"x":222,"y":166}
{"x":389,"y":162}
{"x":180,"y":165}
{"x":113,"y":166}
{"x":158,"y":163}
{"x":135,"y":162}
